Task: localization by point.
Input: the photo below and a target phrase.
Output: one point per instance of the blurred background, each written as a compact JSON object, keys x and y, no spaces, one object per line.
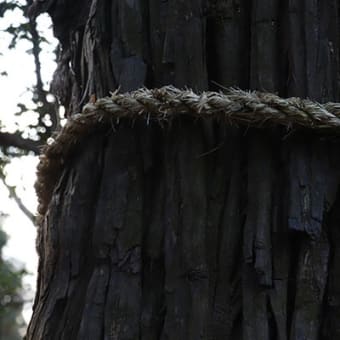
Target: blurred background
{"x":28,"y":116}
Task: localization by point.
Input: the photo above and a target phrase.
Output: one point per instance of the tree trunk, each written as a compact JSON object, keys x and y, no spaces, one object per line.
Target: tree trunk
{"x":197,"y":230}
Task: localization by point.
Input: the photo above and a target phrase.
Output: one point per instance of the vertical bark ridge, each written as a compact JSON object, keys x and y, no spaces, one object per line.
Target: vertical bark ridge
{"x":91,"y":326}
{"x":193,"y":222}
{"x":331,"y":326}
{"x":261,"y":172}
{"x":311,"y":186}
{"x":128,"y":50}
{"x":255,"y":322}
{"x":75,"y":242}
{"x":311,"y":282}
{"x":313,"y":47}
{"x":151,"y":144}
{"x":320,"y":49}
{"x":176,"y":288}
{"x":296,"y":50}
{"x":178,"y":26}
{"x":265,"y":46}
{"x":281,"y":247}
{"x":68,"y":243}
{"x":123,"y":302}
{"x":112,"y":203}
{"x":227,"y":302}
{"x":228,"y":44}
{"x":257,"y":268}
{"x":218,"y":178}
{"x":96,"y":67}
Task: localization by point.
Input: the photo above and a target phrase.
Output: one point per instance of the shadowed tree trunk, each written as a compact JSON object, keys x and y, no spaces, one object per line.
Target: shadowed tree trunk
{"x":197,"y":230}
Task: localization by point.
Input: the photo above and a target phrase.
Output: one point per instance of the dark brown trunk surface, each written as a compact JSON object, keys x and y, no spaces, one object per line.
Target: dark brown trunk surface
{"x":196,"y":230}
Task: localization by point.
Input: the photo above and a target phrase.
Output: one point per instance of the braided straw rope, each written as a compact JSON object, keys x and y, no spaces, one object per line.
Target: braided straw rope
{"x":161,"y":105}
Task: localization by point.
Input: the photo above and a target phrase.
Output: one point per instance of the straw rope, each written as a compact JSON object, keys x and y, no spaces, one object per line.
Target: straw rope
{"x":162,"y":105}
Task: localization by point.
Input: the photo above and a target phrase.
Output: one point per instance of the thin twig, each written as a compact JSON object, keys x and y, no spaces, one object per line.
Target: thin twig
{"x":13,"y":194}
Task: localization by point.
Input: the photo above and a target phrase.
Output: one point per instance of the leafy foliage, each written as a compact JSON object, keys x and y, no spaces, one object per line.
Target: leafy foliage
{"x":11,"y":300}
{"x":8,"y":5}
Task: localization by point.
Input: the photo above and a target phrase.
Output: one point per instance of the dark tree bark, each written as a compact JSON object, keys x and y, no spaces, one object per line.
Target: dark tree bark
{"x":197,"y":230}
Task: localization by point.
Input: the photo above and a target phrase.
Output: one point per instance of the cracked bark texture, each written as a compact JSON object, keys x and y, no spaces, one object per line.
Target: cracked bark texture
{"x":196,"y":230}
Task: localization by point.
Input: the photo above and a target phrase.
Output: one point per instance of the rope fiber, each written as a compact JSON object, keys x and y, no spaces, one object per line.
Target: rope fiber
{"x":234,"y":107}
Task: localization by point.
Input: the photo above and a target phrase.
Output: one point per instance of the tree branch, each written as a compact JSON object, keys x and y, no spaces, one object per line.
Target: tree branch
{"x":49,"y":108}
{"x":16,"y":140}
{"x":13,"y":194}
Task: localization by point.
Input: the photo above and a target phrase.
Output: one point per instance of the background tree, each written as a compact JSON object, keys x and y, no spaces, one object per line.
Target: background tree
{"x":11,"y":321}
{"x":26,"y":139}
{"x":163,"y":243}
{"x":31,"y":132}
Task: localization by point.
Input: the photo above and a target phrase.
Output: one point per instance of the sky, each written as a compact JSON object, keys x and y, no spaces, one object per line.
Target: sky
{"x":14,"y":89}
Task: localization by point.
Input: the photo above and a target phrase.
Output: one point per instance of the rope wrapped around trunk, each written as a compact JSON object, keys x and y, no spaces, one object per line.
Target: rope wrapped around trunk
{"x":234,"y":107}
